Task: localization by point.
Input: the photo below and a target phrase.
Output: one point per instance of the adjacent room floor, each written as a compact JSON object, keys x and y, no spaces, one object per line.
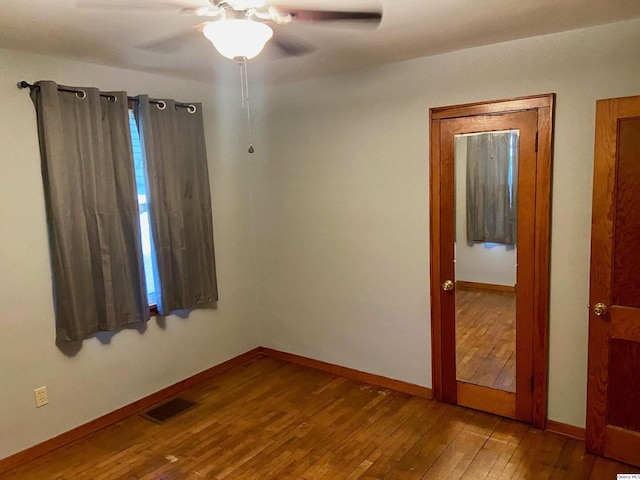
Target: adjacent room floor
{"x":273,"y":420}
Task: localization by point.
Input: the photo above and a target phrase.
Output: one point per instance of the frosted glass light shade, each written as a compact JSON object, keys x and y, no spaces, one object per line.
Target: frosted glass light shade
{"x":238,"y":37}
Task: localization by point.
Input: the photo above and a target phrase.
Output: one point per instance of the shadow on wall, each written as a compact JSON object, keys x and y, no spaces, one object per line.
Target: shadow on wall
{"x":71,"y":349}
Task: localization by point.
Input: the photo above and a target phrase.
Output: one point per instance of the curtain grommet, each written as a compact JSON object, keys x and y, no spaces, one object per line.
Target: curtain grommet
{"x":192,"y":108}
{"x":161,"y":105}
{"x":81,"y":94}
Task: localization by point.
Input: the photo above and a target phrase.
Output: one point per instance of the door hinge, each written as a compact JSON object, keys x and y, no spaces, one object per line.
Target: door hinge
{"x":536,"y":142}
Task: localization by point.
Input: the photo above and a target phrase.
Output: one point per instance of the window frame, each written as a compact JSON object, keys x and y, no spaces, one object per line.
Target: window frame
{"x":153,"y":307}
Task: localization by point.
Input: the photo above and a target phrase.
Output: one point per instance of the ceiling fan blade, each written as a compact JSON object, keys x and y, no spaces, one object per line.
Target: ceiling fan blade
{"x":174,"y":42}
{"x":372,"y":18}
{"x":149,"y":6}
{"x":129,"y":5}
{"x":288,"y":45}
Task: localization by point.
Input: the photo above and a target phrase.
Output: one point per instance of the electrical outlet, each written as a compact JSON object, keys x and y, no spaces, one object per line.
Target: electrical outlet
{"x":41,"y":396}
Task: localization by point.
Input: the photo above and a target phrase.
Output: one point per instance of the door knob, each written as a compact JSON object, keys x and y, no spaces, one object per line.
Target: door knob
{"x":600,"y":309}
{"x":447,"y":285}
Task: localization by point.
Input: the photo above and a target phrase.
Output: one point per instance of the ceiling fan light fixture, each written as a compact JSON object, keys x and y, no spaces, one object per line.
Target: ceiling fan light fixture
{"x":238,"y":37}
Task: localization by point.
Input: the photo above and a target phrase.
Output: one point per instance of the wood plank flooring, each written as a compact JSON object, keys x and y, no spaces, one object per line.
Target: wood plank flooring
{"x":275,"y":420}
{"x":486,"y":338}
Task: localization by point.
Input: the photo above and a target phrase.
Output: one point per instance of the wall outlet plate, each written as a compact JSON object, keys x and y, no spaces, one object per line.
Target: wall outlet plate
{"x":41,"y":396}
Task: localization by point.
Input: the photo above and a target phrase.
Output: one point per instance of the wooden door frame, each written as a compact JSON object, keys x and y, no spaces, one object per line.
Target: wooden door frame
{"x":544,"y":105}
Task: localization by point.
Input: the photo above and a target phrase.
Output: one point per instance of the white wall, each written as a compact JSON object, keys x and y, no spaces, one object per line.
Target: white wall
{"x":477,"y":262}
{"x":342,"y":200}
{"x":103,"y":377}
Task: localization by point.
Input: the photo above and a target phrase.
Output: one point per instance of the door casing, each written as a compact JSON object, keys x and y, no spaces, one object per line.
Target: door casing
{"x":442,"y":331}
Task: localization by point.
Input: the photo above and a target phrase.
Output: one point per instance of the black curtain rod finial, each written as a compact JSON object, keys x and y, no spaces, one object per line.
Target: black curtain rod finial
{"x":24,"y":84}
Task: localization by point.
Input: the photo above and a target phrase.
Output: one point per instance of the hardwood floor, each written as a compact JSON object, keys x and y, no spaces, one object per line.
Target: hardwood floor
{"x":486,"y":338}
{"x":275,"y":420}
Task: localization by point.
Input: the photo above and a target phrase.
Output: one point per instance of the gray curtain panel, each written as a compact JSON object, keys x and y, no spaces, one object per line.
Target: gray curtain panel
{"x":92,"y":211}
{"x":180,"y":204}
{"x":492,"y":179}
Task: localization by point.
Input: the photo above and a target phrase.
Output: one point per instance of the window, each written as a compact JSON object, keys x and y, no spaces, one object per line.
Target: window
{"x":491,"y":187}
{"x":143,"y":207}
{"x":102,"y":243}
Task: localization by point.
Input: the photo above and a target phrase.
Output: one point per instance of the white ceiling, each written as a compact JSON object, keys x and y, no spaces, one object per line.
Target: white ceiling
{"x":409,"y":29}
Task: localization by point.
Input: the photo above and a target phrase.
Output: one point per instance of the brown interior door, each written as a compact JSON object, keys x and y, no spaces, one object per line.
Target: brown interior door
{"x":510,"y":404}
{"x":613,"y":390}
{"x":531,"y":120}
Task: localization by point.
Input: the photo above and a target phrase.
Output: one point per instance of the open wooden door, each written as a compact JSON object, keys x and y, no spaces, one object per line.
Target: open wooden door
{"x":613,"y":391}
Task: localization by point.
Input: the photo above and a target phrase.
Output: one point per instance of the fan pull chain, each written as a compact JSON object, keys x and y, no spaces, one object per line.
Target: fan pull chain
{"x":244,"y":86}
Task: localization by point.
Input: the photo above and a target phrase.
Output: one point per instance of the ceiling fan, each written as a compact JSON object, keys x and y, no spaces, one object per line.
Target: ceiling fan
{"x":239,"y":29}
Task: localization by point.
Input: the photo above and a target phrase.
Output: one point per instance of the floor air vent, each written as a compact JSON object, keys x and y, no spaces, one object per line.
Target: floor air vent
{"x":168,"y":410}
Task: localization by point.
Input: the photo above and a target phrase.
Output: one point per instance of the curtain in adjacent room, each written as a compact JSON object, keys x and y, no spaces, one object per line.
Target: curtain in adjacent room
{"x":491,"y":187}
{"x":92,"y":212}
{"x":173,"y":143}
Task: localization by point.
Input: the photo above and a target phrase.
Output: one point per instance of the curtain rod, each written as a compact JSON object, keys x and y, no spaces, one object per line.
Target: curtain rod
{"x":112,"y":98}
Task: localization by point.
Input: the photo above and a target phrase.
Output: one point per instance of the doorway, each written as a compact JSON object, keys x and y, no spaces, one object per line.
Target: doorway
{"x":613,"y":383}
{"x":490,"y":170}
